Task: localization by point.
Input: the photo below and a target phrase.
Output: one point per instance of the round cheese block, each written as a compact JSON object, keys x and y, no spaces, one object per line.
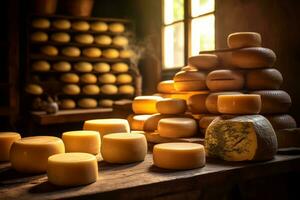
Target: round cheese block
{"x":99,"y":26}
{"x":171,"y":106}
{"x":88,"y":78}
{"x":203,"y":61}
{"x":92,"y":52}
{"x":6,"y":140}
{"x":83,"y":67}
{"x":253,"y":57}
{"x":225,"y":80}
{"x":136,"y":122}
{"x":107,"y":78}
{"x":101,"y":67}
{"x":177,"y":127}
{"x":239,"y":104}
{"x":283,"y":121}
{"x":122,"y":148}
{"x":69,"y":78}
{"x":126,"y":89}
{"x":145,"y":104}
{"x":206,"y":120}
{"x":40,"y":66}
{"x":244,"y":39}
{"x":30,"y":154}
{"x":127,"y":53}
{"x":60,"y":37}
{"x":288,"y":138}
{"x":116,"y":27}
{"x":87,"y":103}
{"x":103,"y":39}
{"x":111,"y":53}
{"x":62,"y":66}
{"x":124,"y":78}
{"x":67,"y":104}
{"x":62,"y":24}
{"x":82,"y":141}
{"x":72,"y":169}
{"x":196,"y":104}
{"x":106,"y":103}
{"x":71,"y":89}
{"x":264,"y":79}
{"x":34,"y":89}
{"x":49,"y":50}
{"x":188,"y":68}
{"x":40,"y":23}
{"x":179,"y":156}
{"x":39,"y":36}
{"x":120,"y":41}
{"x":71,"y":51}
{"x":189,"y":81}
{"x":120,"y":67}
{"x":91,"y":89}
{"x":84,"y":38}
{"x":80,"y":26}
{"x":166,"y":87}
{"x":109,"y":89}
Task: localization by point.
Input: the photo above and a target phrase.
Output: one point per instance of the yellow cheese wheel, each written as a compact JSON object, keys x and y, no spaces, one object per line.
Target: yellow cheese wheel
{"x":225,"y":80}
{"x":40,"y":66}
{"x":239,"y":104}
{"x":62,"y":66}
{"x":40,"y":23}
{"x":62,"y":24}
{"x":196,"y":103}
{"x":87,"y":103}
{"x":171,"y":106}
{"x":136,"y":122}
{"x":67,"y":104}
{"x":84,"y":38}
{"x":39,"y":36}
{"x":106,"y":103}
{"x":83,"y":67}
{"x":101,"y":67}
{"x":127,"y":53}
{"x":179,"y":156}
{"x":111,"y":53}
{"x":71,"y":51}
{"x":72,"y":169}
{"x":126,"y":89}
{"x":120,"y":41}
{"x":109,"y":89}
{"x":80,"y":26}
{"x":188,"y":68}
{"x":124,"y":148}
{"x":107,"y":78}
{"x":103,"y":39}
{"x":71,"y":89}
{"x":124,"y":78}
{"x":91,"y":89}
{"x":6,"y":140}
{"x":145,"y":104}
{"x":82,"y":141}
{"x":88,"y":78}
{"x":99,"y":26}
{"x":206,"y":120}
{"x":283,"y":121}
{"x":92,"y":52}
{"x":120,"y":67}
{"x":204,"y":61}
{"x":189,"y":81}
{"x":116,"y":27}
{"x":30,"y":154}
{"x":60,"y":37}
{"x":244,"y":39}
{"x":49,"y":50}
{"x":166,"y":87}
{"x":69,"y":78}
{"x":264,"y":79}
{"x":288,"y":138}
{"x":34,"y":89}
{"x":177,"y":127}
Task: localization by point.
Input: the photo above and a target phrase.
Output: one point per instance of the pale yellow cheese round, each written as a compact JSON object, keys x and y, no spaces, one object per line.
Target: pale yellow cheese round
{"x":107,"y":78}
{"x":166,"y":87}
{"x":124,"y":148}
{"x":60,"y":37}
{"x":92,"y":52}
{"x":6,"y":140}
{"x":120,"y":41}
{"x":91,"y":89}
{"x":30,"y":154}
{"x":244,"y":39}
{"x":111,"y":53}
{"x":116,"y":27}
{"x":103,"y":39}
{"x":40,"y":66}
{"x":171,"y":106}
{"x":34,"y":89}
{"x":72,"y":169}
{"x":179,"y":156}
{"x":137,"y":121}
{"x":177,"y":127}
{"x":49,"y":50}
{"x":71,"y":51}
{"x":84,"y":38}
{"x":80,"y":26}
{"x":67,"y":104}
{"x":109,"y":89}
{"x":106,"y":103}
{"x":127,"y":53}
{"x":71,"y":89}
{"x":62,"y":66}
{"x":83,"y":67}
{"x":69,"y":78}
{"x":99,"y":26}
{"x":87,"y":103}
{"x":40,"y":23}
{"x":62,"y":24}
{"x":39,"y":36}
{"x":101,"y":67}
{"x":126,"y":89}
{"x":82,"y":141}
{"x":120,"y":67}
{"x":124,"y":78}
{"x":145,"y":104}
{"x":88,"y":78}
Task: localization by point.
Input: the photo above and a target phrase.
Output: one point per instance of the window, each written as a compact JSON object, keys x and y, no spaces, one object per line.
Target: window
{"x":188,"y":27}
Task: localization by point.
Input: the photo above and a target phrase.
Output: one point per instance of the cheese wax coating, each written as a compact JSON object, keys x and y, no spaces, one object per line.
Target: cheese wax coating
{"x":6,"y":140}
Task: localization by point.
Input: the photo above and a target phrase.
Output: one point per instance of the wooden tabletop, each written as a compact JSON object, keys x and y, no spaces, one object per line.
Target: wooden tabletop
{"x":142,"y":180}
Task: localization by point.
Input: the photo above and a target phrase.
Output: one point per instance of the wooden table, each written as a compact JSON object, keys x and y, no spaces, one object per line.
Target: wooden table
{"x":145,"y":181}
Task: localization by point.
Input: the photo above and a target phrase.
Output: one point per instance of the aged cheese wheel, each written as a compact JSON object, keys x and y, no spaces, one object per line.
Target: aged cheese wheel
{"x":101,"y":67}
{"x":166,"y":87}
{"x":72,"y":169}
{"x":92,"y":52}
{"x":60,"y":37}
{"x":62,"y":24}
{"x":145,"y":104}
{"x":124,"y":78}
{"x":283,"y":121}
{"x":225,"y":80}
{"x":103,"y":39}
{"x":116,"y":27}
{"x":69,"y":78}
{"x":87,"y":103}
{"x":253,"y":57}
{"x":88,"y":78}
{"x":127,"y":53}
{"x":211,"y":101}
{"x":34,"y":89}
{"x":67,"y":104}
{"x":99,"y":26}
{"x":82,"y":141}
{"x":91,"y":89}
{"x":6,"y":140}
{"x":274,"y":101}
{"x":71,"y":89}
{"x":83,"y":67}
{"x":40,"y":23}
{"x":106,"y":103}
{"x":196,"y":103}
{"x":109,"y":89}
{"x":244,"y":39}
{"x":206,"y":120}
{"x":187,"y":94}
{"x":62,"y":66}
{"x":126,"y":89}
{"x":204,"y":61}
{"x":136,"y":122}
{"x":120,"y":41}
{"x":239,"y":104}
{"x":189,"y":81}
{"x":80,"y":26}
{"x":40,"y":66}
{"x":49,"y":50}
{"x":177,"y":127}
{"x":179,"y":156}
{"x":71,"y":51}
{"x":107,"y":78}
{"x":248,"y":137}
{"x":264,"y":79}
{"x":189,"y":68}
{"x":111,"y":53}
{"x":155,"y":138}
{"x":171,"y":106}
{"x":84,"y":38}
{"x":30,"y":154}
{"x":39,"y":36}
{"x":288,"y":138}
{"x":120,"y":67}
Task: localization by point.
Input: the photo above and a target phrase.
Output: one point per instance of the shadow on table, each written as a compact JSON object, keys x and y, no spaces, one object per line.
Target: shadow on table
{"x":47,"y":187}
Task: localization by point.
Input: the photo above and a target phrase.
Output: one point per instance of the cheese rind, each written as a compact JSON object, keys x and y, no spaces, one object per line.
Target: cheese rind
{"x":288,"y":137}
{"x":196,"y":103}
{"x":189,"y":81}
{"x":80,"y":26}
{"x":204,"y":61}
{"x":166,"y":87}
{"x":244,"y":39}
{"x":6,"y":140}
{"x":71,"y":51}
{"x":206,"y":120}
{"x":137,"y":121}
{"x":87,"y":103}
{"x":171,"y":106}
{"x":283,"y":121}
{"x":263,"y":79}
{"x":177,"y":127}
{"x":145,"y":104}
{"x":92,"y":52}
{"x":99,"y":26}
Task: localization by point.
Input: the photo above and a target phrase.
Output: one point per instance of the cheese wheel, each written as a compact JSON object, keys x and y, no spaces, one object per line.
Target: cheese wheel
{"x":179,"y":156}
{"x":283,"y":121}
{"x":124,"y":78}
{"x":30,"y":154}
{"x":122,"y":148}
{"x":39,"y":36}
{"x":274,"y":101}
{"x":67,"y":104}
{"x":71,"y":89}
{"x":49,"y":50}
{"x":62,"y":24}
{"x":211,"y":101}
{"x":69,"y":78}
{"x":188,"y":94}
{"x":40,"y":23}
{"x":82,"y":141}
{"x":87,"y":103}
{"x":263,"y":79}
{"x":62,"y":66}
{"x":196,"y":104}
{"x":107,"y":78}
{"x":60,"y":37}
{"x":244,"y":39}
{"x":120,"y":67}
{"x":92,"y":52}
{"x":80,"y":26}
{"x":116,"y":27}
{"x":40,"y":66}
{"x":239,"y":104}
{"x":171,"y":106}
{"x":166,"y":87}
{"x":99,"y":26}
{"x":126,"y":89}
{"x":109,"y":89}
{"x":103,"y":39}
{"x":71,"y":51}
{"x":206,"y":120}
{"x":88,"y":78}
{"x":91,"y":89}
{"x":6,"y":140}
{"x":34,"y":89}
{"x":145,"y":104}
{"x":101,"y":67}
{"x":155,"y":138}
{"x":188,"y":68}
{"x":111,"y":53}
{"x":120,"y":41}
{"x":107,"y":126}
{"x":72,"y":169}
{"x":84,"y":38}
{"x":248,"y":137}
{"x":288,"y":138}
{"x":83,"y":67}
{"x":203,"y":61}
{"x":189,"y":81}
{"x":127,"y":53}
{"x":225,"y":80}
{"x":136,"y":122}
{"x":177,"y":127}
{"x":253,"y":57}
{"x":106,"y":103}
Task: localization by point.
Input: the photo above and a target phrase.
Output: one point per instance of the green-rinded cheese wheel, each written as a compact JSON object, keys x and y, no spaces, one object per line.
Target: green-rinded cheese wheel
{"x":34,"y":89}
{"x":39,"y":36}
{"x":71,"y":51}
{"x":87,"y":103}
{"x":120,"y":67}
{"x":80,"y":26}
{"x":116,"y":27}
{"x":109,"y":89}
{"x":62,"y":66}
{"x":107,"y":78}
{"x":88,"y":78}
{"x":49,"y":50}
{"x":283,"y":121}
{"x":99,"y":26}
{"x":40,"y":66}
{"x":71,"y":89}
{"x":67,"y":104}
{"x":69,"y":78}
{"x":120,"y":40}
{"x":111,"y":53}
{"x":84,"y":38}
{"x":83,"y":67}
{"x":263,"y":79}
{"x":244,"y":39}
{"x":92,"y":52}
{"x":101,"y":67}
{"x":91,"y":89}
{"x":126,"y":89}
{"x":204,"y":61}
{"x":62,"y":24}
{"x":124,"y":78}
{"x":103,"y":39}
{"x":60,"y":37}
{"x":40,"y":23}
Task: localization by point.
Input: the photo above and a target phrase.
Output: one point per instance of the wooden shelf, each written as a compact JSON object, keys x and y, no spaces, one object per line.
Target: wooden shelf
{"x":51,"y":72}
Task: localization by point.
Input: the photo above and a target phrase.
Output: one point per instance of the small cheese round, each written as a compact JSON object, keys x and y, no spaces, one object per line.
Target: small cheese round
{"x":126,"y":89}
{"x":30,"y":154}
{"x":127,"y":53}
{"x":49,"y":50}
{"x":287,"y":138}
{"x":171,"y":106}
{"x":189,"y":81}
{"x":206,"y":120}
{"x":91,"y":89}
{"x":120,"y":41}
{"x":40,"y":23}
{"x":69,"y":78}
{"x":92,"y":52}
{"x":84,"y":38}
{"x":136,"y":122}
{"x":103,"y":40}
{"x":166,"y":87}
{"x":82,"y":141}
{"x":40,"y":66}
{"x":87,"y":103}
{"x":264,"y":79}
{"x":62,"y":66}
{"x":88,"y":78}
{"x":39,"y":36}
{"x":71,"y":89}
{"x":145,"y":104}
{"x":72,"y":169}
{"x":283,"y":121}
{"x":83,"y":67}
{"x":107,"y":78}
{"x":99,"y":26}
{"x":179,"y":156}
{"x":34,"y":89}
{"x":116,"y":27}
{"x":109,"y":89}
{"x":60,"y":37}
{"x":120,"y":67}
{"x":244,"y":39}
{"x":189,"y":68}
{"x":62,"y":24}
{"x":196,"y":104}
{"x":80,"y":26}
{"x":101,"y":67}
{"x":67,"y":104}
{"x":6,"y":140}
{"x":239,"y":104}
{"x":124,"y":148}
{"x":106,"y":103}
{"x":111,"y":53}
{"x":124,"y":78}
{"x":204,"y":61}
{"x":177,"y":127}
{"x":71,"y":51}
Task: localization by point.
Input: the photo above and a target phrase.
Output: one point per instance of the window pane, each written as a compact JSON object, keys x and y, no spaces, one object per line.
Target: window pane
{"x":203,"y":34}
{"x":200,"y":7}
{"x":173,"y":10}
{"x":174,"y":45}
